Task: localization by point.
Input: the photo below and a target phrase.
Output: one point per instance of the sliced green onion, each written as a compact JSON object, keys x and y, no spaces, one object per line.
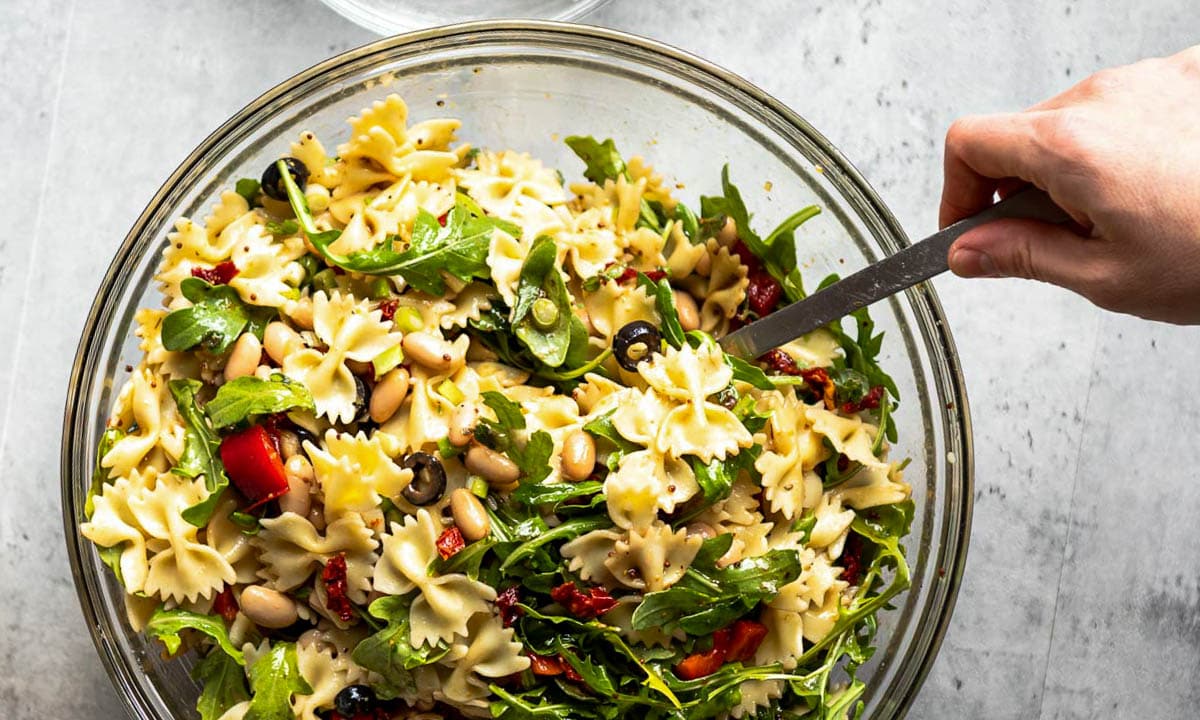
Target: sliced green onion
{"x":386,"y":360}
{"x":408,"y":319}
{"x":325,"y":281}
{"x":447,"y":449}
{"x":380,"y":289}
{"x":451,"y":392}
{"x":545,"y":313}
{"x":478,"y":486}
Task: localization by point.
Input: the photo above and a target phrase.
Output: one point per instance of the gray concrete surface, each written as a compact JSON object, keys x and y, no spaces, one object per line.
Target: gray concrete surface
{"x":1082,"y":593}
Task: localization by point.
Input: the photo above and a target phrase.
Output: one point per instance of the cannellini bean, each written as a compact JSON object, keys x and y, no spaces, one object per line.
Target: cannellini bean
{"x":496,"y":468}
{"x":289,"y":444}
{"x":578,"y":456}
{"x":727,"y":235}
{"x":299,"y":476}
{"x":701,"y":529}
{"x":689,"y":312}
{"x":470,"y":517}
{"x":462,"y":424}
{"x":243,"y":360}
{"x":432,"y":352}
{"x":388,"y":394}
{"x":280,"y":340}
{"x":268,"y":608}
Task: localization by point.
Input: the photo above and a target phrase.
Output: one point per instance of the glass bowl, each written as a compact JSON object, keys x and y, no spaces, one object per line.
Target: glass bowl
{"x":387,"y":17}
{"x":525,"y":85}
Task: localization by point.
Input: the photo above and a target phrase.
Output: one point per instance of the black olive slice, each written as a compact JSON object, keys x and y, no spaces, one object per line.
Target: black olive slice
{"x":429,"y":479}
{"x":636,"y":342}
{"x":355,"y":700}
{"x":272,"y":181}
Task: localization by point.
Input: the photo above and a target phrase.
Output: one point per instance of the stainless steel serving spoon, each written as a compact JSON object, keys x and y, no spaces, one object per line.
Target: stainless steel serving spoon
{"x":915,"y":263}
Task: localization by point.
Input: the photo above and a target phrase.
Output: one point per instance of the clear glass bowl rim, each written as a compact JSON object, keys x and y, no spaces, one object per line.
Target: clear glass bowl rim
{"x":950,"y":554}
{"x":377,"y":22}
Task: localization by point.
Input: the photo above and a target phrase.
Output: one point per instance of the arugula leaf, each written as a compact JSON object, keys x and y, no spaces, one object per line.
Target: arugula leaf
{"x":532,"y":457}
{"x":390,"y":653}
{"x":541,"y":279}
{"x":709,"y":597}
{"x":568,"y":530}
{"x":167,"y":624}
{"x":512,"y":707}
{"x":594,"y":675}
{"x":602,"y":427}
{"x":274,"y":678}
{"x":110,"y":437}
{"x":459,"y":248}
{"x":749,"y":373}
{"x":215,"y":319}
{"x":555,"y":494}
{"x":601,"y":159}
{"x":201,"y":451}
{"x":664,"y":302}
{"x":689,"y":222}
{"x":778,"y":250}
{"x":238,"y":399}
{"x":223,"y":685}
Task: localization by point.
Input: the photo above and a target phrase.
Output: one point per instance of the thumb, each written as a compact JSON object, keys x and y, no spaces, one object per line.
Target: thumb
{"x":1026,"y":249}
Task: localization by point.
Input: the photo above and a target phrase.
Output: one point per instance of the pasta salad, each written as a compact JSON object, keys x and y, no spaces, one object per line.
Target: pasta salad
{"x":426,"y":431}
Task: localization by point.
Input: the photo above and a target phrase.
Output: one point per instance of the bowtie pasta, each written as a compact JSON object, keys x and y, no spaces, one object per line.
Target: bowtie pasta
{"x":428,"y":431}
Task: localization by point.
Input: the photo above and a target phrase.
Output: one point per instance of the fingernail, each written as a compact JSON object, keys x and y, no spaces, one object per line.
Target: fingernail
{"x":973,"y":263}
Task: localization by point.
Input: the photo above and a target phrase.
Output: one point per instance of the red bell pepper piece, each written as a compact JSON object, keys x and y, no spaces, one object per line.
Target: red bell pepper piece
{"x":702,"y":664}
{"x":254,"y":466}
{"x":744,"y":638}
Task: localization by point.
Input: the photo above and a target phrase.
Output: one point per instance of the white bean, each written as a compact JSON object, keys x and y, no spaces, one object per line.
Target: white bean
{"x":388,"y":394}
{"x":268,"y":608}
{"x":244,"y":359}
{"x":299,"y":475}
{"x":470,"y":517}
{"x":432,"y":352}
{"x":689,"y":312}
{"x":280,"y":340}
{"x":701,"y":529}
{"x":578,"y":456}
{"x":496,"y":468}
{"x":728,"y":234}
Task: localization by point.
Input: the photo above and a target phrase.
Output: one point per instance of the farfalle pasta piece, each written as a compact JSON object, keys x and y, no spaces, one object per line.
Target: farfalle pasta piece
{"x":446,"y":602}
{"x":832,"y":522}
{"x":721,"y":293}
{"x":267,"y":269}
{"x":327,"y":670}
{"x":613,"y":306}
{"x":789,"y":483}
{"x":639,"y":414}
{"x":597,"y":395}
{"x":506,"y":255}
{"x":424,"y":418}
{"x":876,"y":482}
{"x":644,"y":483}
{"x":380,"y":134}
{"x":166,"y":363}
{"x":469,"y":305}
{"x":706,"y":430}
{"x":155,"y":435}
{"x":372,"y":219}
{"x":354,"y":473}
{"x":204,"y":244}
{"x":588,"y":554}
{"x":517,"y":188}
{"x":654,"y":558}
{"x":351,"y":330}
{"x":489,"y":651}
{"x":144,"y":512}
{"x":687,"y":373}
{"x":291,"y":548}
{"x":756,"y":695}
{"x":222,"y":535}
{"x":588,"y":243}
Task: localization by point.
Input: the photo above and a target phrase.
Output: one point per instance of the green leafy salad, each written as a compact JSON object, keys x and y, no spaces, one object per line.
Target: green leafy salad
{"x":424,"y":431}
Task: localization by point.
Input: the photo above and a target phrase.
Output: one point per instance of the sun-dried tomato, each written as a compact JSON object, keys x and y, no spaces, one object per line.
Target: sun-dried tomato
{"x":584,"y":605}
{"x":334,"y":578}
{"x":506,"y":603}
{"x":387,"y":308}
{"x":226,"y":605}
{"x":763,"y":293}
{"x":744,"y":638}
{"x":442,"y":218}
{"x":702,"y":664}
{"x":569,"y":670}
{"x":545,"y":665}
{"x":450,"y":542}
{"x":219,"y":275}
{"x":780,"y":362}
{"x":851,"y":559}
{"x":870,"y":401}
{"x":655,"y":275}
{"x":819,"y":382}
{"x":627,"y":275}
{"x":748,"y":258}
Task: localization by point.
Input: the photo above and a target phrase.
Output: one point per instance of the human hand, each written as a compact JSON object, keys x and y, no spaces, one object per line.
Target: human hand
{"x":1120,"y":152}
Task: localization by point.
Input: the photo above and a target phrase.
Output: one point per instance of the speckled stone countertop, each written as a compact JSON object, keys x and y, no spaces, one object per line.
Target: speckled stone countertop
{"x":1082,"y":591}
